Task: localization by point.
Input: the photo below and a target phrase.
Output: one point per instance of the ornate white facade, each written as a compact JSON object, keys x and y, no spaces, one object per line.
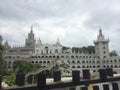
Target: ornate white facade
{"x":45,"y":53}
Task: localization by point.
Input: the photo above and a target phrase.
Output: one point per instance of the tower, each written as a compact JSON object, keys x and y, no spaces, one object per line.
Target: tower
{"x":30,"y":41}
{"x":7,"y":47}
{"x":101,"y":46}
{"x":58,"y":42}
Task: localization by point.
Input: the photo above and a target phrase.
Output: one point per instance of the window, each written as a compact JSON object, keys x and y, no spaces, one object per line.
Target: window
{"x":104,"y":57}
{"x":76,"y":56}
{"x":83,"y":66}
{"x":57,"y":56}
{"x":46,"y":56}
{"x":78,"y":66}
{"x":50,"y":56}
{"x":72,"y":56}
{"x":103,"y":47}
{"x":73,"y":66}
{"x":73,"y":61}
{"x":36,"y":62}
{"x":46,"y":51}
{"x":78,"y":61}
{"x":83,"y":61}
{"x":56,"y":51}
{"x":48,"y":61}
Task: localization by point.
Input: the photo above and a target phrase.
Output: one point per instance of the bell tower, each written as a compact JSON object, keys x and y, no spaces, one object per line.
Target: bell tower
{"x":101,"y":46}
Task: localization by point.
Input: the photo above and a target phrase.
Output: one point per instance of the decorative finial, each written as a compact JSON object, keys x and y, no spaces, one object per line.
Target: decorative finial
{"x":100,"y":30}
{"x":39,"y":41}
{"x":58,"y":41}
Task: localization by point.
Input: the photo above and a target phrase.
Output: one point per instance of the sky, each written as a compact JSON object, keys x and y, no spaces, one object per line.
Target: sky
{"x":75,"y":22}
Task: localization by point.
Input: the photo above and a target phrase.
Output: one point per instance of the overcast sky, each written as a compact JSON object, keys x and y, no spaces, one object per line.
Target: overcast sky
{"x":75,"y":22}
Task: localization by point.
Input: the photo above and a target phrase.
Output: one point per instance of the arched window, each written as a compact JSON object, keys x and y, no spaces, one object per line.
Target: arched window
{"x":93,"y":66}
{"x":36,"y":62}
{"x":48,"y":61}
{"x":78,"y":61}
{"x":83,"y":66}
{"x":93,"y":61}
{"x":46,"y":56}
{"x":104,"y":57}
{"x":115,"y":60}
{"x":53,"y":56}
{"x":116,"y":66}
{"x":40,"y":61}
{"x":83,"y":61}
{"x":46,"y":49}
{"x":73,"y":66}
{"x":56,"y":50}
{"x":73,"y":62}
{"x":76,"y":56}
{"x":72,"y":56}
{"x":50,"y":56}
{"x":57,"y":56}
{"x":78,"y":66}
{"x":44,"y":62}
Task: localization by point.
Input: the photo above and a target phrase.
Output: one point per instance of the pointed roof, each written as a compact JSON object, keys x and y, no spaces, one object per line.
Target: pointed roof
{"x":31,"y":29}
{"x":58,"y":41}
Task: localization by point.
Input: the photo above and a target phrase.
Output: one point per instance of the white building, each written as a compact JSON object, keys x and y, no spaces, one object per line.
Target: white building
{"x":45,"y":53}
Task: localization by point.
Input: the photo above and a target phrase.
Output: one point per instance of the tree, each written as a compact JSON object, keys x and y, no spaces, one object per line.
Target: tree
{"x":2,"y":63}
{"x":25,"y":66}
{"x":91,"y":49}
{"x":84,"y":49}
{"x":113,"y":53}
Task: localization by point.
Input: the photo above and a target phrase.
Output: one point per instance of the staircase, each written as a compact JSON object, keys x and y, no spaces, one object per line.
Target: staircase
{"x":49,"y":66}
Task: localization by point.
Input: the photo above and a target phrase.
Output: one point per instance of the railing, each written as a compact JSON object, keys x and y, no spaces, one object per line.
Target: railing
{"x":105,"y":77}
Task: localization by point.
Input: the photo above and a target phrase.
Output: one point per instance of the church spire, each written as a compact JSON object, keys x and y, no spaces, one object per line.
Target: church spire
{"x":31,"y":29}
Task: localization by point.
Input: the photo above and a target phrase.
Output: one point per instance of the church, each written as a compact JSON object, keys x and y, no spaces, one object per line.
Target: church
{"x":37,"y":52}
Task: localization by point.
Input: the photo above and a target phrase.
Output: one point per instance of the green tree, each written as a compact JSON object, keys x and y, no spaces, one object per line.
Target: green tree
{"x":113,"y":53}
{"x":84,"y":49}
{"x":91,"y":49}
{"x":65,"y":48}
{"x":25,"y":66}
{"x":2,"y":63}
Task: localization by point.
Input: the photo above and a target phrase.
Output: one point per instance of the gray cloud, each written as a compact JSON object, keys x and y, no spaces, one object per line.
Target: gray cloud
{"x":75,"y":22}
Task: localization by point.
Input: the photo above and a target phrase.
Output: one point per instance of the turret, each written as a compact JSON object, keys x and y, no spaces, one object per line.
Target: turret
{"x":7,"y":47}
{"x":58,"y":42}
{"x":101,"y":46}
{"x":39,"y":42}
